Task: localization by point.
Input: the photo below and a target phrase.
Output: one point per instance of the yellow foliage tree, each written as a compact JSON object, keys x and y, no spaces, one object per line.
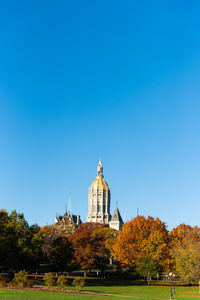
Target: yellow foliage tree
{"x":143,"y":242}
{"x":185,"y":250}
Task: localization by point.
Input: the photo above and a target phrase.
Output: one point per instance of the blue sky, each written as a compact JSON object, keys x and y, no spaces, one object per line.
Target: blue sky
{"x":116,"y":80}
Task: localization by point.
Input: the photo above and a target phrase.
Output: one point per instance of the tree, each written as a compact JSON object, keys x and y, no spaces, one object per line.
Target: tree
{"x":20,"y":245}
{"x":181,"y":233}
{"x":143,"y":243}
{"x":50,"y":234}
{"x":89,"y":247}
{"x":8,"y":242}
{"x":107,"y":237}
{"x":147,"y":266}
{"x":60,"y":254}
{"x":187,"y":261}
{"x":185,"y":249}
{"x":36,"y":240}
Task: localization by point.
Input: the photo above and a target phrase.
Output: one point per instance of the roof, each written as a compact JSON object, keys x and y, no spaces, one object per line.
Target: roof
{"x":73,"y":218}
{"x":116,"y":216}
{"x":100,"y":184}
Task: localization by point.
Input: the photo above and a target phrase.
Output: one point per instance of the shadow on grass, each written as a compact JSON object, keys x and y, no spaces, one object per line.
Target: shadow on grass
{"x":114,"y":282}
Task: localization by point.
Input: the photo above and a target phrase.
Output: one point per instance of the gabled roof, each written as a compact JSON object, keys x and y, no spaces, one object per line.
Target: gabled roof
{"x":117,"y":217}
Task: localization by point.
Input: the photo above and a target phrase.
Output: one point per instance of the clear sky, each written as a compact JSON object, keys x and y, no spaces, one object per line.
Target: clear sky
{"x":116,"y":80}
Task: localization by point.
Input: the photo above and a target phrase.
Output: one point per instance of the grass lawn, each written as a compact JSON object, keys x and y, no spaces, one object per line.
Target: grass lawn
{"x":135,"y":292}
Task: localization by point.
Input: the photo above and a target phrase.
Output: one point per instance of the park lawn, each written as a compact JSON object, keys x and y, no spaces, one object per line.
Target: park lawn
{"x":143,"y":291}
{"x":135,"y":292}
{"x":6,"y":294}
{"x":148,"y":292}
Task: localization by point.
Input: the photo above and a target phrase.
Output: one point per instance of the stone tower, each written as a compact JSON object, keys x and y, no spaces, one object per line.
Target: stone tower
{"x":99,"y":199}
{"x":116,"y":221}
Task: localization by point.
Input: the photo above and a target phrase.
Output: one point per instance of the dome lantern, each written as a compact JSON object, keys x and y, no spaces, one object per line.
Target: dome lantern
{"x":100,"y":170}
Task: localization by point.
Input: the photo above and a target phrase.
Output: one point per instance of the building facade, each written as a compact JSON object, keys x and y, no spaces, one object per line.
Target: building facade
{"x":99,"y":203}
{"x":99,"y":199}
{"x":67,"y":223}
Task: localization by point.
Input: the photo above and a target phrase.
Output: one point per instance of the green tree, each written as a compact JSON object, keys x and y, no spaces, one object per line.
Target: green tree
{"x":20,"y":245}
{"x":60,"y":254}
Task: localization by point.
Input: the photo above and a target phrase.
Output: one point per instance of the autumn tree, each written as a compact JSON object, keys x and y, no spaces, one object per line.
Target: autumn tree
{"x":143,"y":243}
{"x":181,"y":233}
{"x":185,"y":249}
{"x":187,"y":261}
{"x":107,"y":236}
{"x":90,"y":248}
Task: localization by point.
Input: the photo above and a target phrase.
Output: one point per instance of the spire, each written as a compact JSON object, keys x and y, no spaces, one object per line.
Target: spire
{"x":65,"y":214}
{"x":100,"y":170}
{"x":69,"y":204}
{"x":116,"y":216}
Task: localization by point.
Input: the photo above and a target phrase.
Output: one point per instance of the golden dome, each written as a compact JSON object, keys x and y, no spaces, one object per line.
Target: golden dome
{"x":99,"y":184}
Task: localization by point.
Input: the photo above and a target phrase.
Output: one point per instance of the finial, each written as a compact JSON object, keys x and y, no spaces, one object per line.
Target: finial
{"x":65,"y":210}
{"x":69,"y":204}
{"x":116,"y":204}
{"x":100,"y":169}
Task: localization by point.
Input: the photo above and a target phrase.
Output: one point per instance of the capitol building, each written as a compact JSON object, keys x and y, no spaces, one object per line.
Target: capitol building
{"x":99,"y":203}
{"x":98,"y":208}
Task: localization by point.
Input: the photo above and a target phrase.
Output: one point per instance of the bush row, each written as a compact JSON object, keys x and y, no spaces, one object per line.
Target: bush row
{"x":21,"y":279}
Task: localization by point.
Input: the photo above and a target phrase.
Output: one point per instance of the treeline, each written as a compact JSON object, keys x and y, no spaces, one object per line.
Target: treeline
{"x":144,"y":246}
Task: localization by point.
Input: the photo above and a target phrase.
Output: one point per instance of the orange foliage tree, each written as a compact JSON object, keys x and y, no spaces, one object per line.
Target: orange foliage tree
{"x":181,"y":233}
{"x":143,"y":243}
{"x":91,"y":242}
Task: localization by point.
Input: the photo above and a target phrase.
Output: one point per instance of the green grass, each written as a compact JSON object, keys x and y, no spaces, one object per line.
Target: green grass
{"x":30,"y":295}
{"x":135,"y":292}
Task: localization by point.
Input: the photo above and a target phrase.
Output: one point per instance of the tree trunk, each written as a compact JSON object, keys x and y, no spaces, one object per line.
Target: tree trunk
{"x":148,"y":278}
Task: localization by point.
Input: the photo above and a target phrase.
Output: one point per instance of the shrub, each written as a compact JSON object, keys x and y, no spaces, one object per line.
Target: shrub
{"x":2,"y":282}
{"x":49,"y":280}
{"x":79,"y":283}
{"x":62,"y":281}
{"x":21,"y":279}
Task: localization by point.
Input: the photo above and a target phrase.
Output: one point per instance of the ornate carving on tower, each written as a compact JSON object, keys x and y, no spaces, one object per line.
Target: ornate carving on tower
{"x":99,"y":199}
